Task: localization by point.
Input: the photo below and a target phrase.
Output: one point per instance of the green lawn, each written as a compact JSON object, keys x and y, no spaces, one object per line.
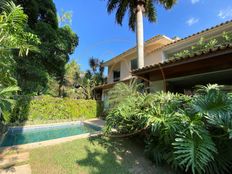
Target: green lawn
{"x":93,"y":156}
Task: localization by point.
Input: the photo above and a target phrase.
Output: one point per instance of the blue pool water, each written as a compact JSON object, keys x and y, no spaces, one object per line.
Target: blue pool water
{"x":17,"y":136}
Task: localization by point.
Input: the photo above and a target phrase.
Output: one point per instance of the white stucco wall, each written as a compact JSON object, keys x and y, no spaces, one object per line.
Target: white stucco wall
{"x":110,"y":78}
{"x":125,"y":64}
{"x":153,"y":57}
{"x":125,"y":69}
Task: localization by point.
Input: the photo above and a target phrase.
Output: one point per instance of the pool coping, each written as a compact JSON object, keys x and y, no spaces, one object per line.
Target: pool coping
{"x":54,"y":141}
{"x":57,"y":124}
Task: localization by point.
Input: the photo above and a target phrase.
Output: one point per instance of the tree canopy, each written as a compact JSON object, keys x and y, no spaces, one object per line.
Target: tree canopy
{"x":56,"y":45}
{"x":130,"y":6}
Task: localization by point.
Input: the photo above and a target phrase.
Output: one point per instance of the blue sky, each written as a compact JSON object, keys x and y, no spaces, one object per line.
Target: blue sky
{"x":101,"y":37}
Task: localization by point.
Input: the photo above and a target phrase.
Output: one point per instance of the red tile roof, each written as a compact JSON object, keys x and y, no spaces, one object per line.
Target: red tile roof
{"x":200,"y":32}
{"x":184,"y":58}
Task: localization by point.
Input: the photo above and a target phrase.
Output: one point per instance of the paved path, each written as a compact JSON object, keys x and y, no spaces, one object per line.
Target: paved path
{"x":96,"y":121}
{"x":23,"y":169}
{"x":15,"y":164}
{"x":10,"y":160}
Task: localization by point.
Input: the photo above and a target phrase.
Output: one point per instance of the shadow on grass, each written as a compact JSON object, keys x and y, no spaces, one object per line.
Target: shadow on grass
{"x":121,"y":156}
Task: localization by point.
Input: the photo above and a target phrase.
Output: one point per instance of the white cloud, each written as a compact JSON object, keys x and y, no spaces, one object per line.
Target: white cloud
{"x":192,"y":21}
{"x":225,"y":13}
{"x":195,"y":1}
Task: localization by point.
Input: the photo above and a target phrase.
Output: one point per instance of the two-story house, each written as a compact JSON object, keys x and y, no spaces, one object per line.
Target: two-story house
{"x":177,"y":65}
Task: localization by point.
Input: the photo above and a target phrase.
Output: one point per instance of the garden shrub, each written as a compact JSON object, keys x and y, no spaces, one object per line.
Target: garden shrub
{"x":54,"y":108}
{"x":191,"y":134}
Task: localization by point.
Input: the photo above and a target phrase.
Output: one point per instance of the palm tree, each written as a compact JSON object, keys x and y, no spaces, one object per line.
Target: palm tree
{"x":93,"y":63}
{"x":136,"y":9}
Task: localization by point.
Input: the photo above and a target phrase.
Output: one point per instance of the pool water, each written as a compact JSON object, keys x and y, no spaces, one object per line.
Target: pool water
{"x":17,"y":136}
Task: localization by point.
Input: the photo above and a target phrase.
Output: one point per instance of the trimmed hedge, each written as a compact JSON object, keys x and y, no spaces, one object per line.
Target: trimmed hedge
{"x":51,"y":108}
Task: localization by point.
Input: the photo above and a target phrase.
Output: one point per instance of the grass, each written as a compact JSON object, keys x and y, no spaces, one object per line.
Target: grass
{"x":93,"y":156}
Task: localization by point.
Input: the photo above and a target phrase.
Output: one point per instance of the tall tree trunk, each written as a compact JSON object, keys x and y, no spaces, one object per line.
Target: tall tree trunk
{"x":139,"y":35}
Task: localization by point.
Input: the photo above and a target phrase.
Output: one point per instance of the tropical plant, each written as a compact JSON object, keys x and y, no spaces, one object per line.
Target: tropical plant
{"x":68,"y":86}
{"x":192,"y":134}
{"x":13,"y":33}
{"x":204,"y":45}
{"x":136,"y":10}
{"x":14,"y":38}
{"x":227,"y":37}
{"x":65,"y":18}
{"x":122,"y":90}
{"x":215,"y":105}
{"x":33,"y":72}
{"x":194,"y":150}
{"x":6,"y":101}
{"x":86,"y":86}
{"x":96,"y":71}
{"x":91,"y":78}
{"x":93,"y":63}
{"x":125,"y":101}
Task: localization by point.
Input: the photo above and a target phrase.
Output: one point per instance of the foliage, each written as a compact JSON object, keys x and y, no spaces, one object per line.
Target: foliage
{"x":6,"y":101}
{"x":194,"y":151}
{"x":14,"y":39}
{"x":91,"y":78}
{"x":203,"y":45}
{"x":185,"y":132}
{"x":56,"y":46}
{"x":40,"y":11}
{"x":121,"y":7}
{"x":227,"y":37}
{"x":125,"y":117}
{"x":65,"y":18}
{"x":13,"y":33}
{"x":122,"y":90}
{"x":51,"y":108}
{"x":70,"y":80}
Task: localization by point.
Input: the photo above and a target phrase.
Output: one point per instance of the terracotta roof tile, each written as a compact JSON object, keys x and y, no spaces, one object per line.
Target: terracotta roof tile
{"x":216,"y":26}
{"x":174,"y":60}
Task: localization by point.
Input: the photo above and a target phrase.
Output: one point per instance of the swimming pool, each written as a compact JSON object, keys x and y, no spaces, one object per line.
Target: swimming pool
{"x":19,"y":136}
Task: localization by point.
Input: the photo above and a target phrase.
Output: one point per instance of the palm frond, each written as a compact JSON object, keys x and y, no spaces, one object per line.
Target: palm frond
{"x":122,"y":90}
{"x":111,"y":5}
{"x":167,"y":3}
{"x":9,"y":90}
{"x":121,"y":11}
{"x":13,"y":14}
{"x":94,"y":63}
{"x":150,"y":11}
{"x":130,"y":6}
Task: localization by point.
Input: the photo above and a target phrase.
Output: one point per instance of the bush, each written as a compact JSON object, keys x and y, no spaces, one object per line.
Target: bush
{"x":51,"y":108}
{"x":191,"y":134}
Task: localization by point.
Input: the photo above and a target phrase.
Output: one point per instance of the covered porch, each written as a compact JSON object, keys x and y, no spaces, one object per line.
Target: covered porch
{"x":183,"y":74}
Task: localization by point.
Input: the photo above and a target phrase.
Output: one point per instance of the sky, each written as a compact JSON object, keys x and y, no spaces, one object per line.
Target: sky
{"x":100,"y":36}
